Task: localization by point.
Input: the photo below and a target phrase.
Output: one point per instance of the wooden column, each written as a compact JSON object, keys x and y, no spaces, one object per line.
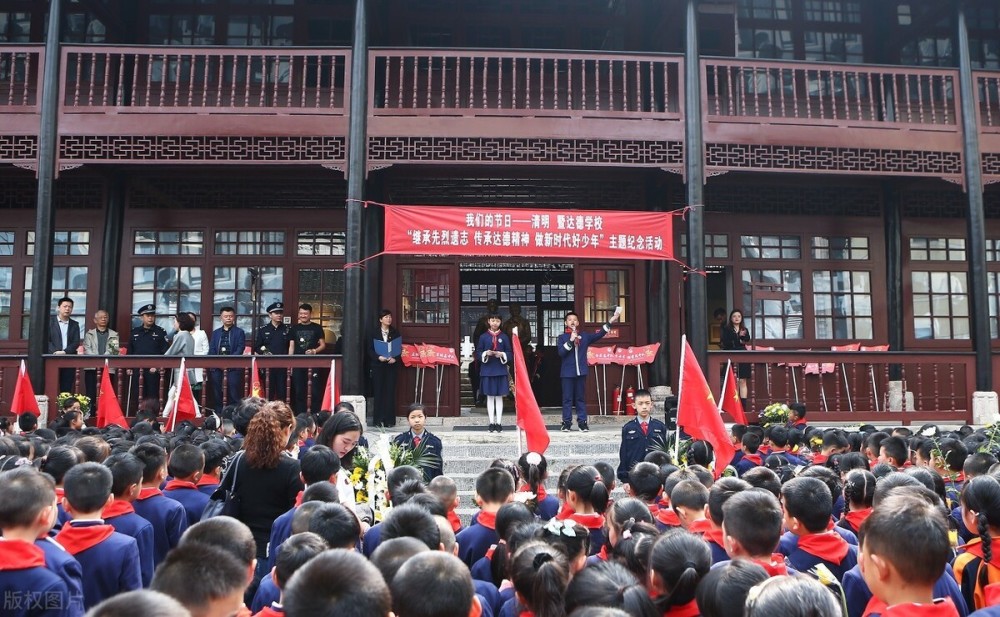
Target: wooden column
{"x":111,"y":255}
{"x":696,"y":289}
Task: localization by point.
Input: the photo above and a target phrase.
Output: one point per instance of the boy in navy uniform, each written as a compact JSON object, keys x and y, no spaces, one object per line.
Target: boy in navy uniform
{"x":185,"y":467}
{"x":807,"y":507}
{"x":168,"y":517}
{"x":147,"y":339}
{"x":639,"y":435}
{"x":428,"y":444}
{"x":110,"y":559}
{"x":572,"y":346}
{"x":275,"y":339}
{"x":126,"y":474}
{"x":27,"y":511}
{"x":494,"y":488}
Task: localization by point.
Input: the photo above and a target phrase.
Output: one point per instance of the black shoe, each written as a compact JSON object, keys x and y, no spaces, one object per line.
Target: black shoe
{"x":567,"y":427}
{"x":499,"y":427}
{"x":493,"y":427}
{"x":584,"y":428}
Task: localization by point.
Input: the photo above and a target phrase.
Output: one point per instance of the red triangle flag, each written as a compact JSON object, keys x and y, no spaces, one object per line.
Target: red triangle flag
{"x":730,"y":401}
{"x":255,"y":389}
{"x":183,"y":405}
{"x":109,"y":410}
{"x":696,"y":410}
{"x":331,"y":393}
{"x":529,"y":416}
{"x":24,"y":395}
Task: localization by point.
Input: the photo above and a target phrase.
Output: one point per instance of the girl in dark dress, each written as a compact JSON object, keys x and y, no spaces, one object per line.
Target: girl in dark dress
{"x":385,"y":371}
{"x":735,"y":336}
{"x":493,"y":351}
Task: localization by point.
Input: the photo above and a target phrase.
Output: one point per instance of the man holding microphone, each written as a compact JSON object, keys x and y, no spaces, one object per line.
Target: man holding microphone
{"x":572,"y":346}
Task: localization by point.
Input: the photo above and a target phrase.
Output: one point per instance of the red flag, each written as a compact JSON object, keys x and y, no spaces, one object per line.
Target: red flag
{"x":529,"y":416}
{"x":696,"y":410}
{"x":411,"y":356}
{"x":109,"y":410}
{"x":24,"y":395}
{"x":730,"y":401}
{"x":255,"y":389}
{"x":436,"y":354}
{"x":182,"y":406}
{"x":331,"y":393}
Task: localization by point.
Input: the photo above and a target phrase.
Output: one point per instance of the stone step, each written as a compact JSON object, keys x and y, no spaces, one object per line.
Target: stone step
{"x":475,"y":465}
{"x":508,"y":449}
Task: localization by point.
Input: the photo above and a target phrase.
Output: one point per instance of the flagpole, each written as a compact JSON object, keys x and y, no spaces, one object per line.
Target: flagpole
{"x":680,"y":386}
{"x":725,"y":382}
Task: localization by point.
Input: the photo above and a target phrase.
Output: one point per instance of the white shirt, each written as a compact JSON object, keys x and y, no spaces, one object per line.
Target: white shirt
{"x":64,"y":331}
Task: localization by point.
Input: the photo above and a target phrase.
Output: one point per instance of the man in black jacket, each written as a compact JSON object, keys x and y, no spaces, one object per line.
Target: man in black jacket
{"x":64,"y":338}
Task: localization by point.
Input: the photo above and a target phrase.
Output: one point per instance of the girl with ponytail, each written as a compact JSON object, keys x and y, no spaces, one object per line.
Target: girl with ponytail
{"x":534,"y":471}
{"x":859,"y":494}
{"x":677,"y":564}
{"x":977,"y":570}
{"x":540,"y":574}
{"x":587,"y":496}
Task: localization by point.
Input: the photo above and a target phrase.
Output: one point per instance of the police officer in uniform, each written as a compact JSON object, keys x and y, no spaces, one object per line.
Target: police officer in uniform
{"x":275,"y":339}
{"x":147,"y":339}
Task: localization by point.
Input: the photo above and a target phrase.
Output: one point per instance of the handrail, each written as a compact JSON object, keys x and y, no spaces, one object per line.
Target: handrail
{"x":21,"y":77}
{"x":988,"y":99}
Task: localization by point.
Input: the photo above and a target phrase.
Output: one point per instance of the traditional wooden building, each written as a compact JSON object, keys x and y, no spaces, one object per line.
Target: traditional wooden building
{"x":839,"y":157}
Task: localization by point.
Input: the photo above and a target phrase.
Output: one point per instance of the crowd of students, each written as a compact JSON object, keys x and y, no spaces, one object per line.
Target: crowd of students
{"x":805,"y":522}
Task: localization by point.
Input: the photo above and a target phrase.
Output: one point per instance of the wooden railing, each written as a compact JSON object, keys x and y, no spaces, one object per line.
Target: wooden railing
{"x":20,"y":77}
{"x":855,"y":386}
{"x":199,"y":79}
{"x":988,"y":100}
{"x":465,"y":82}
{"x":853,"y":95}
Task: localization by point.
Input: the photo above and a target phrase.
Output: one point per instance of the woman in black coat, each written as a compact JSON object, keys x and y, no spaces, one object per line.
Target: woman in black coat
{"x":384,"y":369}
{"x":735,"y":336}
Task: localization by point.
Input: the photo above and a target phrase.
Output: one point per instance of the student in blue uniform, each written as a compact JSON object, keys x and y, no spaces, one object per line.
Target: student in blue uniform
{"x":67,"y":567}
{"x":126,"y":473}
{"x":206,"y":579}
{"x":110,"y":559}
{"x":493,"y":351}
{"x":167,"y":516}
{"x":572,"y":346}
{"x":27,"y":511}
{"x":534,"y":472}
{"x":494,"y":488}
{"x":639,"y":435}
{"x":808,"y":506}
{"x":718,"y":495}
{"x":427,"y":443}
{"x":588,"y":497}
{"x":185,"y":466}
{"x":216,"y":451}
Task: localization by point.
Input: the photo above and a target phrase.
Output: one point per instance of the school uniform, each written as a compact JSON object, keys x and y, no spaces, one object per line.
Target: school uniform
{"x":272,"y":610}
{"x":430,"y":444}
{"x":852,"y":520}
{"x":121,"y":515}
{"x":966,"y":567}
{"x":27,"y":587}
{"x":456,"y":522}
{"x":573,"y":369}
{"x":373,"y":537}
{"x":58,"y":560}
{"x":208,"y":484}
{"x":665,"y":518}
{"x":281,"y":530}
{"x":110,"y":559}
{"x":637,"y":439}
{"x":966,"y":534}
{"x":267,"y":594}
{"x":489,"y":596}
{"x":595,"y":525}
{"x":789,"y":540}
{"x":482,"y":569}
{"x":493,"y":376}
{"x":684,"y":610}
{"x":857,"y":595}
{"x":717,"y":544}
{"x":828,"y":548}
{"x":188,"y":495}
{"x":748,"y":462}
{"x":941,"y":607}
{"x":476,"y":539}
{"x":775,"y":566}
{"x":168,"y":518}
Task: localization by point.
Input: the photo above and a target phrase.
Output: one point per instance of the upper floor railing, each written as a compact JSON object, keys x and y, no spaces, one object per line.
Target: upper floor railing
{"x":200,"y":79}
{"x":988,"y":93}
{"x":20,"y":77}
{"x":840,"y":94}
{"x":524,"y":83}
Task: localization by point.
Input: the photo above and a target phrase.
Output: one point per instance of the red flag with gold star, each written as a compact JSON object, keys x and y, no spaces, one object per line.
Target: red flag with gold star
{"x":697,"y":413}
{"x":730,"y":401}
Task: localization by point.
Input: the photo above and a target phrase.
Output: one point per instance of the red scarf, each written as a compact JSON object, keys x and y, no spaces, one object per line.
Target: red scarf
{"x":700,"y":526}
{"x":526,"y":614}
{"x":668,"y":517}
{"x":60,"y":492}
{"x":487,"y":519}
{"x":603,"y":553}
{"x":456,"y":523}
{"x":775,"y":567}
{"x":174,"y":485}
{"x":854,"y":518}
{"x":496,"y":339}
{"x":654,"y":509}
{"x":270,"y":611}
{"x":117,"y":508}
{"x":590,"y":521}
{"x":539,"y":495}
{"x":975,"y":546}
{"x":941,"y":607}
{"x":76,"y":539}
{"x":828,"y":546}
{"x":820,"y":459}
{"x":20,"y":555}
{"x":148,"y":492}
{"x":684,"y":610}
{"x":564,"y":512}
{"x":754,"y":458}
{"x":714,"y":536}
{"x":209,"y":479}
{"x":298,"y":499}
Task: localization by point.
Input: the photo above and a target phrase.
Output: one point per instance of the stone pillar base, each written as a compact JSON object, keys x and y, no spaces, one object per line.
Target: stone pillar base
{"x":985,"y":408}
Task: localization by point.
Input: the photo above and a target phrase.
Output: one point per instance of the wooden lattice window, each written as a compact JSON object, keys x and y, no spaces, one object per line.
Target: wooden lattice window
{"x":426,"y":295}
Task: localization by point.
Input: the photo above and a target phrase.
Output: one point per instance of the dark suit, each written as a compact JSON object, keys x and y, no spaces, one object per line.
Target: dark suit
{"x":66,"y":375}
{"x":225,"y":343}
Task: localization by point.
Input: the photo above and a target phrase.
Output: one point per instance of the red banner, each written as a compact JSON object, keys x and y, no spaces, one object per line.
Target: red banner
{"x":489,"y":231}
{"x":600,"y":355}
{"x":411,"y":356}
{"x":633,"y":356}
{"x":435,"y":354}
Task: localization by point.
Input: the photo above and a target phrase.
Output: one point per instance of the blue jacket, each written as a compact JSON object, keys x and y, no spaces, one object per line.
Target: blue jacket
{"x":431,"y":445}
{"x":237,"y":342}
{"x":30,"y":590}
{"x":68,"y":568}
{"x":857,"y":594}
{"x":112,"y":567}
{"x":193,"y":500}
{"x":574,"y":357}
{"x":135,"y":526}
{"x":491,"y":366}
{"x":169,"y":521}
{"x":635,"y":444}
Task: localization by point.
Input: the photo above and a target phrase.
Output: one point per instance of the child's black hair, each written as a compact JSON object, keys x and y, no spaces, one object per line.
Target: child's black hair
{"x":337,"y":583}
{"x":587,"y":484}
{"x":954,"y":453}
{"x":185,"y":461}
{"x":126,"y":470}
{"x":198,"y":574}
{"x":874,"y":441}
{"x":725,"y":589}
{"x":607,"y":474}
{"x":751,"y":442}
{"x":754,"y":519}
{"x":555,"y":534}
{"x":87,"y":487}
{"x":294,"y":553}
{"x":809,"y":501}
{"x":658,"y":458}
{"x":26,"y":492}
{"x":626,"y":511}
{"x":680,"y":560}
{"x":852,"y":460}
{"x":540,"y":574}
{"x":318,"y":464}
{"x":895,"y":450}
{"x":700,"y":453}
{"x":779,"y":436}
{"x":635,"y":546}
{"x":153,"y":457}
{"x":533,"y":469}
{"x":339,"y":527}
{"x":890,"y":532}
{"x":720,"y":494}
{"x":510,"y":466}
{"x":829,"y":477}
{"x":645,"y":481}
{"x":609,"y":584}
{"x":495,"y":485}
{"x":762,"y":477}
{"x":59,"y":460}
{"x":978,"y":464}
{"x":216,"y":450}
{"x":689,"y":494}
{"x":859,"y":488}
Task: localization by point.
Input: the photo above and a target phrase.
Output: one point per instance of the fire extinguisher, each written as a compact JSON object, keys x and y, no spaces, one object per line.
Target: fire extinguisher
{"x":630,"y":401}
{"x":616,"y":406}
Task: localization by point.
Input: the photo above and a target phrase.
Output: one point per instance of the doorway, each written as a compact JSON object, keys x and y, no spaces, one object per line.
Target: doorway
{"x":719,"y":292}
